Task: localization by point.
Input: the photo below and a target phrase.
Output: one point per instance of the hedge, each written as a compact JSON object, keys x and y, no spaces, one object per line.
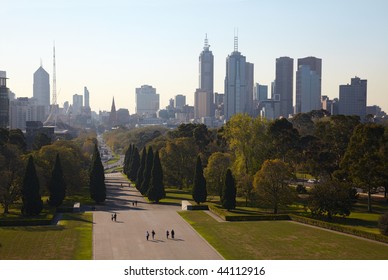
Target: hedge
{"x":27,"y":221}
{"x":340,"y":228}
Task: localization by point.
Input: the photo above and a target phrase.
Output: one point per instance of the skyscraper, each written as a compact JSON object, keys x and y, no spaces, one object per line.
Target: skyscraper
{"x":352,"y":98}
{"x":284,"y":84}
{"x":308,"y":85}
{"x":4,"y":100}
{"x":179,"y":101}
{"x":206,"y":68}
{"x":147,"y":100}
{"x":203,"y":96}
{"x":238,"y":89}
{"x":86,"y":97}
{"x":260,"y":92}
{"x":77,"y":104}
{"x":41,"y":91}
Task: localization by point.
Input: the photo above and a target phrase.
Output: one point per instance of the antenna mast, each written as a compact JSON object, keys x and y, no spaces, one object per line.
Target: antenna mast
{"x":54,"y":102}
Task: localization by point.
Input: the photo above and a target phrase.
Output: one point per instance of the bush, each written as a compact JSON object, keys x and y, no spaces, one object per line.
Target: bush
{"x":383,"y":224}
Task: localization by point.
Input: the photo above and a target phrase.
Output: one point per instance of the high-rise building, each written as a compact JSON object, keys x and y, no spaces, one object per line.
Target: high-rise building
{"x":147,"y":101}
{"x":352,"y":98}
{"x":284,"y":85}
{"x":86,"y":97}
{"x":4,"y":101}
{"x":41,"y":91}
{"x":77,"y":104}
{"x":25,"y":109}
{"x":260,"y":92}
{"x":179,"y":101}
{"x":206,"y":68}
{"x":203,"y":104}
{"x":238,"y":89}
{"x":308,"y":85}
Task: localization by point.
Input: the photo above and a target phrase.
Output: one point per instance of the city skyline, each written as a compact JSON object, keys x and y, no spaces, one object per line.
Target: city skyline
{"x":113,"y":50}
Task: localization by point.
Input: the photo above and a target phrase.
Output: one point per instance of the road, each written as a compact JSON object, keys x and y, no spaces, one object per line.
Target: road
{"x":126,"y":238}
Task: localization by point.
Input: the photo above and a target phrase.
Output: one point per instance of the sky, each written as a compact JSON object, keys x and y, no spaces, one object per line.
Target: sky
{"x":115,"y":46}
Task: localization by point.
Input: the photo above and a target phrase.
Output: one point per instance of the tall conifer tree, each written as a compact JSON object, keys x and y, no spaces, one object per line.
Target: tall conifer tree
{"x":156,"y":191}
{"x":57,"y":185}
{"x":229,"y":192}
{"x":139,"y":179}
{"x":32,"y":201}
{"x":97,"y":178}
{"x":135,"y":165}
{"x":145,"y":185}
{"x":199,"y":191}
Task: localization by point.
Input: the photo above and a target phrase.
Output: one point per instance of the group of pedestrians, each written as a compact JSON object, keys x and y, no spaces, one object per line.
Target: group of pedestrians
{"x":153,"y":234}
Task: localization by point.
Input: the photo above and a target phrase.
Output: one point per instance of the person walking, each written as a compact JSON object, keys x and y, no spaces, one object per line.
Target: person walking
{"x":153,"y":234}
{"x":172,"y":233}
{"x":115,"y":217}
{"x":147,"y":235}
{"x":111,"y":217}
{"x":167,"y":234}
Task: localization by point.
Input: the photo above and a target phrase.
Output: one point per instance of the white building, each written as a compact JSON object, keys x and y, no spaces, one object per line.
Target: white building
{"x":147,"y":101}
{"x":77,"y":104}
{"x":25,"y":109}
{"x":41,"y":90}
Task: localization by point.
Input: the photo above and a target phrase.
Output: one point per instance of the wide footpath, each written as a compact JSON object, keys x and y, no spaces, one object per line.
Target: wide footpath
{"x":125,"y":238}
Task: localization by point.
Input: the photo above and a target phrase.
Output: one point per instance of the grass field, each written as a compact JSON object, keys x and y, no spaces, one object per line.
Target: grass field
{"x":281,"y":240}
{"x":71,"y":239}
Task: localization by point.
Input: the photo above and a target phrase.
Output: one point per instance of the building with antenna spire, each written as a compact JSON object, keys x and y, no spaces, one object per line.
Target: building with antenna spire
{"x":203,"y":97}
{"x":41,"y":88}
{"x":238,"y":84}
{"x":113,"y":114}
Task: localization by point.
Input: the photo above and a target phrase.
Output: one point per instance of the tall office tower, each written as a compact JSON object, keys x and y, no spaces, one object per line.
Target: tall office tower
{"x":41,"y":91}
{"x":4,"y":101}
{"x":77,"y":104}
{"x":147,"y":101}
{"x":86,"y":97}
{"x":179,"y":101}
{"x":24,"y":109}
{"x":308,"y":85}
{"x":273,"y":89}
{"x":206,"y":68}
{"x":352,"y":98}
{"x":284,"y":84}
{"x":203,"y":104}
{"x":238,"y":90}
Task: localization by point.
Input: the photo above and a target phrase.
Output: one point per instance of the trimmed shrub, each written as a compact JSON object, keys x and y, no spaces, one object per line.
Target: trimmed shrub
{"x":383,"y":224}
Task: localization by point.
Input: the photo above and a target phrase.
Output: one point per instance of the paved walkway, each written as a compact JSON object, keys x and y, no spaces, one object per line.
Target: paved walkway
{"x":126,"y":238}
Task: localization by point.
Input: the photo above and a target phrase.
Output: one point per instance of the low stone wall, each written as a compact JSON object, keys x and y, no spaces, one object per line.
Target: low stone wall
{"x":186,"y":205}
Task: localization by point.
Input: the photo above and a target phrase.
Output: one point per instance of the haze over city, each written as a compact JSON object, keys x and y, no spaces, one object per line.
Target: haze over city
{"x":113,"y":48}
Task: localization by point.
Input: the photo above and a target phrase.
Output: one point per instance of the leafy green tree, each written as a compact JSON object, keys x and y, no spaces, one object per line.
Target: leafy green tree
{"x":229,"y":192}
{"x":199,"y":191}
{"x":215,"y":172}
{"x":97,"y":178}
{"x":363,"y":163}
{"x":10,"y":174}
{"x":330,"y":197}
{"x":248,"y":141}
{"x":145,"y":185}
{"x":32,"y":202}
{"x":135,"y":165}
{"x":271,"y":183}
{"x":156,"y":191}
{"x":140,"y":176}
{"x":57,"y":185}
{"x":40,"y":140}
{"x":16,"y":137}
{"x":383,"y":223}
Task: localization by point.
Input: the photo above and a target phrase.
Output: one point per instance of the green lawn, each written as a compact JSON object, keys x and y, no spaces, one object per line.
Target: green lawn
{"x":71,"y":239}
{"x":281,"y":240}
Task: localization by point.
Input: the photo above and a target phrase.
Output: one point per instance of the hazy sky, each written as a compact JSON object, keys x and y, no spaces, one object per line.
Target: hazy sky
{"x":114,"y":46}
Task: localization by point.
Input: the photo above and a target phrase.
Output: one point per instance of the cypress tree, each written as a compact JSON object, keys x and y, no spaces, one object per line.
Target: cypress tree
{"x":135,"y":165}
{"x":229,"y":192}
{"x":156,"y":191}
{"x":199,"y":189}
{"x":57,"y":185}
{"x":126,"y":160}
{"x":97,"y":178}
{"x":145,"y":185}
{"x":32,"y":201}
{"x":139,"y":179}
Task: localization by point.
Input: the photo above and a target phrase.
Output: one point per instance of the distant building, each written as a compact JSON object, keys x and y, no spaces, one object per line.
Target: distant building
{"x":77,"y":104}
{"x":25,"y":109}
{"x":113,"y":114}
{"x":4,"y":100}
{"x":260,"y":92}
{"x":122,"y":116}
{"x":238,"y":89}
{"x":203,"y":104}
{"x":41,"y":88}
{"x":86,"y":97}
{"x":206,"y":68}
{"x":308,"y":85}
{"x":284,"y":84}
{"x":147,"y":101}
{"x":330,"y":105}
{"x":352,"y":98}
{"x":33,"y":128}
{"x":179,"y":101}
